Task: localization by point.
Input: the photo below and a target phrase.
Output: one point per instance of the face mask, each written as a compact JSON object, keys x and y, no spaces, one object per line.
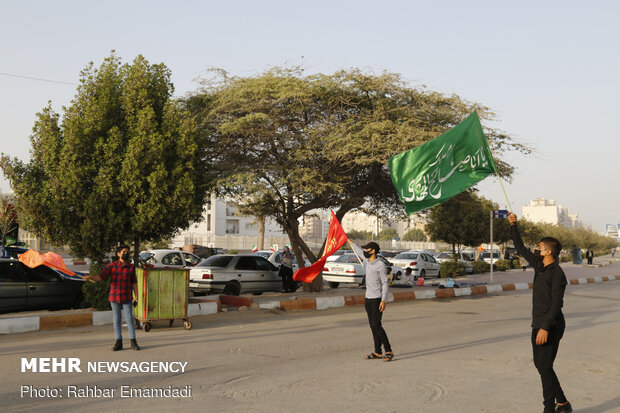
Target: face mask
{"x":125,"y":256}
{"x":366,"y":254}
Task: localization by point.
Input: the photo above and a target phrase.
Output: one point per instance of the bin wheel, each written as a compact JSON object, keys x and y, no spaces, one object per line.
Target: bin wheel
{"x":147,"y":327}
{"x":187,"y":324}
{"x":170,"y":323}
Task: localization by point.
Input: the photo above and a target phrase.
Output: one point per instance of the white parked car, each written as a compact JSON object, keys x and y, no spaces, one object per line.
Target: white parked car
{"x":347,"y":269}
{"x":423,"y":264}
{"x":234,"y":275}
{"x":336,"y":255}
{"x":169,"y":258}
{"x":462,"y":258}
{"x":263,"y":253}
{"x":486,"y":257}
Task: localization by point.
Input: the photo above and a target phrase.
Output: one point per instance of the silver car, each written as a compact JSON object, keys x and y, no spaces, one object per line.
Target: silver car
{"x":422,"y":263}
{"x":234,"y":275}
{"x":169,"y":258}
{"x":462,"y":258}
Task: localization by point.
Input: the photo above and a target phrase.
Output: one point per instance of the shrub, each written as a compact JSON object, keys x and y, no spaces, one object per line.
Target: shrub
{"x":516,"y":264}
{"x":451,"y":269}
{"x":503,"y":265}
{"x":481,"y":266}
{"x":97,"y":293}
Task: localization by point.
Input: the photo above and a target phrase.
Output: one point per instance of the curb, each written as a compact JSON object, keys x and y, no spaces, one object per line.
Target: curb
{"x":203,"y":306}
{"x":82,"y":318}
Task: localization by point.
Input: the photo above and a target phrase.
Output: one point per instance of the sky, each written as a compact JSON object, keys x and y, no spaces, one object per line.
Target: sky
{"x":548,"y":69}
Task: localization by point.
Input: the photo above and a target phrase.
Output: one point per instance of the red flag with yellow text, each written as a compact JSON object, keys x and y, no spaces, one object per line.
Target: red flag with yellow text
{"x":336,"y":238}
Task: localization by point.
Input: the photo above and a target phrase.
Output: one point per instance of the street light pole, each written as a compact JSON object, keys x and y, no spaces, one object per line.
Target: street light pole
{"x":491,"y":221}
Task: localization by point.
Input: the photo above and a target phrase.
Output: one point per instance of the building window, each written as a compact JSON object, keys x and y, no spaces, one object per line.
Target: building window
{"x":208,"y":222}
{"x":231,"y":209}
{"x":232,"y":226}
{"x":251,"y":226}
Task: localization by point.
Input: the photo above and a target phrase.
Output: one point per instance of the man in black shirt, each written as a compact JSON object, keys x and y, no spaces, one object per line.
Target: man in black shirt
{"x":547,"y":319}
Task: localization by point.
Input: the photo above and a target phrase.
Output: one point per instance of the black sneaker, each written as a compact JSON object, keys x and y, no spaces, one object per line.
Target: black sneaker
{"x":565,"y":408}
{"x":134,"y":344}
{"x":118,"y":345}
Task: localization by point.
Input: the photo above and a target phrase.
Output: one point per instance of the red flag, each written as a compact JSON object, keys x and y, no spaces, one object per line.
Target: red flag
{"x":336,"y":238}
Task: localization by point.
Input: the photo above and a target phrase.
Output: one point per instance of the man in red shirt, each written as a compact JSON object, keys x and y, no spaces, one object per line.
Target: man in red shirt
{"x":123,"y":281}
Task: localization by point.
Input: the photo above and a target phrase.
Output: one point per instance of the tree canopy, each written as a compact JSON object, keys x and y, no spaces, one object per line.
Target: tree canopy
{"x":123,"y":163}
{"x":288,"y":143}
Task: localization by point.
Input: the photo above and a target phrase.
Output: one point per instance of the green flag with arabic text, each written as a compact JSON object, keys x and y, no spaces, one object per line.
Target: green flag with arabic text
{"x":442,"y":168}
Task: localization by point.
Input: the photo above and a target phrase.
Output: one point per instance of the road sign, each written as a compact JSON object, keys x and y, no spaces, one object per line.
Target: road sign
{"x":500,"y":213}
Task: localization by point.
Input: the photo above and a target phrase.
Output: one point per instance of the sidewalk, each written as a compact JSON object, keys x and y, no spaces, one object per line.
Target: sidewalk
{"x":512,"y":280}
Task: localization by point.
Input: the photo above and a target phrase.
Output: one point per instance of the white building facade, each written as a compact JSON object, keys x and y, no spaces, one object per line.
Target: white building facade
{"x":223,"y":226}
{"x":547,"y":211}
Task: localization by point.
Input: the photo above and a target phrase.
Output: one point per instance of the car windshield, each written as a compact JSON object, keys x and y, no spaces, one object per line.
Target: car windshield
{"x":406,"y":256}
{"x":445,"y":255}
{"x":216,"y":261}
{"x":488,"y":255}
{"x":348,"y":258}
{"x":264,"y":254}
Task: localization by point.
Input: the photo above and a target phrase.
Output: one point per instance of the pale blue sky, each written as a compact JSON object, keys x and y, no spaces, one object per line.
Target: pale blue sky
{"x":549,"y":69}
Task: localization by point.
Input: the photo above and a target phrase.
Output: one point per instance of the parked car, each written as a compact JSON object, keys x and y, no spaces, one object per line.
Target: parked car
{"x":335,"y":255}
{"x":348,"y":269}
{"x":234,"y":274}
{"x":486,"y":257}
{"x":263,"y":253}
{"x":422,"y":263}
{"x":169,"y":258}
{"x":462,"y":258}
{"x":41,"y":288}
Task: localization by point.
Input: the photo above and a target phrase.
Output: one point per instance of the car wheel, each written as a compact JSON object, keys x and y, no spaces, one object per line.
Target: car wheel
{"x":232,"y":288}
{"x":80,"y":302}
{"x":333,"y":284}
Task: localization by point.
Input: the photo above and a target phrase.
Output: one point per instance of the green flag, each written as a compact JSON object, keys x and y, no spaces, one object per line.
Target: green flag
{"x":442,"y":168}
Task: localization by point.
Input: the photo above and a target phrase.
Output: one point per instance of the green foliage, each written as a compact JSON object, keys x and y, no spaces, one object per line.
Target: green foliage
{"x":414,"y":234}
{"x":388,"y":234}
{"x":360,"y":235}
{"x":516,"y":264}
{"x":481,"y":266}
{"x":234,"y":252}
{"x":452,"y":269}
{"x":97,"y":293}
{"x":503,"y":265}
{"x":321,"y":141}
{"x":460,"y":220}
{"x":123,"y":163}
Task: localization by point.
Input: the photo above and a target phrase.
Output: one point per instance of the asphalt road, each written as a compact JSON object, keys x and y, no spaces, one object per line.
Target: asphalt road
{"x":461,"y":355}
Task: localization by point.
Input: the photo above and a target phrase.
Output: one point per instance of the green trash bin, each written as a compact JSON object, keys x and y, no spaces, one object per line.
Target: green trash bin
{"x":162,"y":295}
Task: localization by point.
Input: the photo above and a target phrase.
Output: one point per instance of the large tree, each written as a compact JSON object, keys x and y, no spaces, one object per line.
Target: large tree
{"x":461,"y":220}
{"x":124,"y":163}
{"x":288,"y":143}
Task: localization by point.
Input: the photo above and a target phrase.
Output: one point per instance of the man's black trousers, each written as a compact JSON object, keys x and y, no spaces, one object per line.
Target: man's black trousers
{"x":374,"y":319}
{"x":544,"y":356}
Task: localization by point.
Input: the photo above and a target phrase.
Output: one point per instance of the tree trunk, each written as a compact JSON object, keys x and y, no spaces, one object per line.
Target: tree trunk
{"x":261,"y":233}
{"x":292,"y":229}
{"x":454,"y":252}
{"x":136,"y":250}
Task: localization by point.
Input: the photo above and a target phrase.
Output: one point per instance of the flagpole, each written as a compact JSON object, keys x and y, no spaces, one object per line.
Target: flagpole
{"x":355,"y":252}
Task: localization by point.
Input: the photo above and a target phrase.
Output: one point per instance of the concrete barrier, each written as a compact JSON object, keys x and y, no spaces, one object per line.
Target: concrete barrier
{"x":323,"y":303}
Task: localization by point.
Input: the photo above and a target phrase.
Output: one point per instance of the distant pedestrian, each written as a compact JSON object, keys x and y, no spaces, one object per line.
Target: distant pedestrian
{"x":376,"y":297}
{"x":408,"y":277}
{"x":589,"y":256}
{"x":2,"y":250}
{"x":577,"y":257}
{"x":548,"y":322}
{"x":613,"y":252}
{"x":122,"y":274}
{"x":286,"y":271}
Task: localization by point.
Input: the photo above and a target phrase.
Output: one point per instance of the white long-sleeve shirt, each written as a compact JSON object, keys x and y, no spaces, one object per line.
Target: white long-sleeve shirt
{"x":376,"y":276}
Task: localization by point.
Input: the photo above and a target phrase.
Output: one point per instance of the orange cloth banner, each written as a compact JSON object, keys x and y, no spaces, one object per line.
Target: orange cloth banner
{"x":336,"y":238}
{"x":32,"y":259}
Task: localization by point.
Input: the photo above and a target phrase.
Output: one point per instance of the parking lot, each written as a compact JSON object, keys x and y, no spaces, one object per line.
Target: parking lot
{"x":467,"y":355}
